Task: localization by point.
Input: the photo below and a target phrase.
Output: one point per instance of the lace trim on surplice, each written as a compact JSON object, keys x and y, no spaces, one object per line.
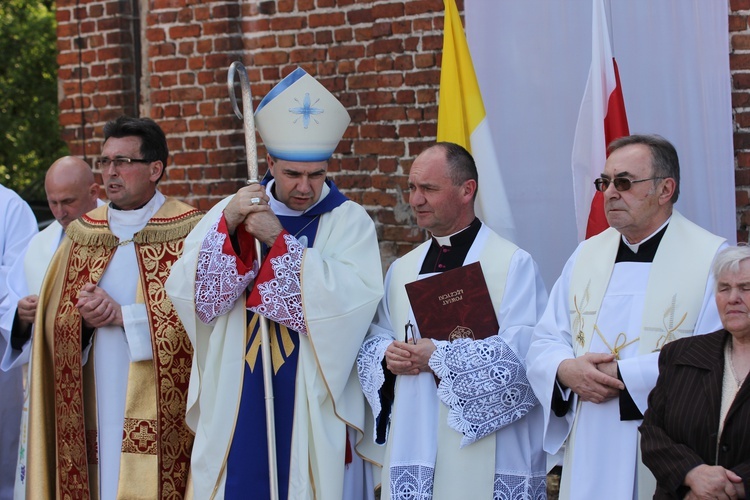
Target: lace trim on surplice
{"x":218,"y":284}
{"x":483,"y":383}
{"x":370,"y":370}
{"x":411,"y":482}
{"x":515,"y":487}
{"x":281,"y":297}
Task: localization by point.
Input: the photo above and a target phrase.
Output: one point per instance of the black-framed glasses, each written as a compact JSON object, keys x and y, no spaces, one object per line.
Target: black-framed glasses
{"x":621,"y":183}
{"x":118,"y":162}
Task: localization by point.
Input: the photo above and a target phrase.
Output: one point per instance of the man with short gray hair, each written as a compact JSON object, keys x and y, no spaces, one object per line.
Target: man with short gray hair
{"x":622,"y":295}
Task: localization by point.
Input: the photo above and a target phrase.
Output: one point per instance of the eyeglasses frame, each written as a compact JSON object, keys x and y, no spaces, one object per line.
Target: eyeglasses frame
{"x":602,"y":180}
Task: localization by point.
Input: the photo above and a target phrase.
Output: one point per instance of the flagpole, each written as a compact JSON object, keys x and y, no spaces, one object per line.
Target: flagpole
{"x":251,"y":152}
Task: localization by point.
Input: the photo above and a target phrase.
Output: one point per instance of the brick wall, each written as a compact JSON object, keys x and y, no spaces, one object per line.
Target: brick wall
{"x":739,"y":64}
{"x":380,"y":57}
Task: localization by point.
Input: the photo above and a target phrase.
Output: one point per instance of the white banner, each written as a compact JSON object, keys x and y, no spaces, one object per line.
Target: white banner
{"x":532,"y":60}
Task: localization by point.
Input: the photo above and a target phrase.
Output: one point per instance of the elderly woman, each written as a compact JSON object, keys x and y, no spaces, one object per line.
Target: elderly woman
{"x":695,"y":435}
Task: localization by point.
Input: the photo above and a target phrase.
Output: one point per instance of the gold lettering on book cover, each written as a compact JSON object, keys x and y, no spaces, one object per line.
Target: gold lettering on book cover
{"x":451,"y":297}
{"x":85,"y":264}
{"x":172,"y":361}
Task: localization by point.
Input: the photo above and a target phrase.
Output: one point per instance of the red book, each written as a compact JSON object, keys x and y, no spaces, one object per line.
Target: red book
{"x":454,"y":304}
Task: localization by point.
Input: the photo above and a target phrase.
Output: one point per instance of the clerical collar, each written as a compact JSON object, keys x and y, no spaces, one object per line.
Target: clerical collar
{"x":449,"y":252}
{"x":644,"y":251}
{"x":136,"y":218}
{"x":280,"y":209}
{"x":634,"y":246}
{"x":461,"y":236}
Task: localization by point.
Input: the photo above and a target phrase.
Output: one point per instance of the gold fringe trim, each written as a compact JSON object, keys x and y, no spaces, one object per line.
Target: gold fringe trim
{"x":86,"y":234}
{"x":164,"y":230}
{"x":92,"y":232}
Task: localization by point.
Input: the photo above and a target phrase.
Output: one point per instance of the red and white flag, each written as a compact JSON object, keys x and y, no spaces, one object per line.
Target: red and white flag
{"x":601,"y":120}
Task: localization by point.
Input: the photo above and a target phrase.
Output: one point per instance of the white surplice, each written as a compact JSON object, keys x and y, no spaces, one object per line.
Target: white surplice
{"x":17,"y":226}
{"x":606,"y":452}
{"x":432,"y":450}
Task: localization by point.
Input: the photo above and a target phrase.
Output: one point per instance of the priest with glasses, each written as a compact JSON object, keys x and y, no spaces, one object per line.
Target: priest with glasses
{"x":622,"y":296}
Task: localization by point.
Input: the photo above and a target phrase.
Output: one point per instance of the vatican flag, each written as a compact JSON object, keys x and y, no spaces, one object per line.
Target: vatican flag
{"x":462,"y":120}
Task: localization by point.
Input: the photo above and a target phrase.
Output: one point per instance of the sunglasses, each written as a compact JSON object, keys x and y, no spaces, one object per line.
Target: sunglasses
{"x":621,"y":183}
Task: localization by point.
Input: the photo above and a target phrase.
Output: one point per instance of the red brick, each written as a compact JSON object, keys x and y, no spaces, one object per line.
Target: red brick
{"x":742,"y":198}
{"x":362,"y":147}
{"x":305,"y":39}
{"x":359,"y":16}
{"x":346,"y":52}
{"x":376,"y":98}
{"x":389,"y":10}
{"x":386,"y":114}
{"x":220,"y":28}
{"x":385,"y":46}
{"x":415,"y":7}
{"x":271,"y":58}
{"x":186,"y":31}
{"x":343,"y":35}
{"x":288,"y":23}
{"x":737,"y":23}
{"x":328,"y":19}
{"x":430,"y":77}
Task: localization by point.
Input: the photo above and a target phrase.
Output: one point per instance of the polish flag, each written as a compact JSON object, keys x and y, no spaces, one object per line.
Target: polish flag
{"x":601,"y":120}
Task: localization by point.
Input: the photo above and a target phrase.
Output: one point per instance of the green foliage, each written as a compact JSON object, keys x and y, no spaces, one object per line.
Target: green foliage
{"x":29,"y":128}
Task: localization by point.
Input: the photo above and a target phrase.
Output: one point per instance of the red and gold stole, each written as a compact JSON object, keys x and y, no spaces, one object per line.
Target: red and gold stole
{"x":63,"y":459}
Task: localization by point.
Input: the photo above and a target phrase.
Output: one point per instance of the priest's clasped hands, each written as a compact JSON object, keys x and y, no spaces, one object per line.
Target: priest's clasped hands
{"x":403,"y":358}
{"x":592,"y":376}
{"x":97,"y":308}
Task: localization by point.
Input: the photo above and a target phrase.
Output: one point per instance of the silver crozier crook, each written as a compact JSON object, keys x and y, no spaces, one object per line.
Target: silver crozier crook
{"x":251,"y":150}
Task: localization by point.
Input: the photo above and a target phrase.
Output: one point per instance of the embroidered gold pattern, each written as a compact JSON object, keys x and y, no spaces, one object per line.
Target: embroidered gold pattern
{"x":139,"y":436}
{"x":461,"y":332}
{"x":669,"y":325}
{"x":579,"y":322}
{"x":173,"y":356}
{"x":86,"y":264}
{"x":91,"y":249}
{"x":280,"y":339}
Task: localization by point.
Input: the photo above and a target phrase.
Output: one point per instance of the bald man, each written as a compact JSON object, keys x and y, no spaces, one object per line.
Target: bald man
{"x":71,"y":192}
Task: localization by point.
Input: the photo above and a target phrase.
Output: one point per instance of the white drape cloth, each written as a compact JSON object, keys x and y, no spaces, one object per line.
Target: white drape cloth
{"x":532,"y":59}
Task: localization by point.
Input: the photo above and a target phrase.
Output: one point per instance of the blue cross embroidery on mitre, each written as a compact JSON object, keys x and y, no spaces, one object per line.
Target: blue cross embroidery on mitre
{"x":306,"y":110}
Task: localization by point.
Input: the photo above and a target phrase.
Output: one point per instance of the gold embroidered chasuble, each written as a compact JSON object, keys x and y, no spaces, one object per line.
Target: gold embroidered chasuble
{"x":62,"y":454}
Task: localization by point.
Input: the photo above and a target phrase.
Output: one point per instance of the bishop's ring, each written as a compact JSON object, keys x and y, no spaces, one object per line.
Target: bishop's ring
{"x":255,"y":201}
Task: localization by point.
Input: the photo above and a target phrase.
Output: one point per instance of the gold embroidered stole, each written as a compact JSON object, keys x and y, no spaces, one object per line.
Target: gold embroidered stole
{"x":676,"y":284}
{"x":63,"y":438}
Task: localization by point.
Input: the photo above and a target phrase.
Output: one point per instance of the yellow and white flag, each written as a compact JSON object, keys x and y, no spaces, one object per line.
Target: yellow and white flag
{"x":462,"y":120}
